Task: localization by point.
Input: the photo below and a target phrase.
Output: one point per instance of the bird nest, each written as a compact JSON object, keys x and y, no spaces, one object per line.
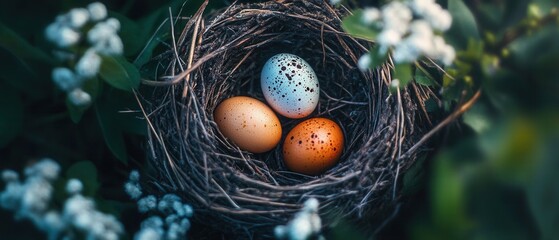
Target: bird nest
{"x":221,"y":55}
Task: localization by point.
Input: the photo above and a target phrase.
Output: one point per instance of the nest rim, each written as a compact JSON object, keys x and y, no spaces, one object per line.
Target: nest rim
{"x":230,"y":190}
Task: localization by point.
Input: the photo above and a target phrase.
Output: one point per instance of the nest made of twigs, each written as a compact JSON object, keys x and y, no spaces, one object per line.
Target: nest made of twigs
{"x":233,"y":190}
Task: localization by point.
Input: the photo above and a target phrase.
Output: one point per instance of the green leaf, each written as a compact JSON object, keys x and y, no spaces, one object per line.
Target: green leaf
{"x":413,"y":179}
{"x":464,"y":26}
{"x":404,"y":73}
{"x":86,"y":172}
{"x":11,"y":115}
{"x":422,"y":77}
{"x":112,"y":133}
{"x":448,"y":195}
{"x":353,"y":25}
{"x":543,"y":192}
{"x":76,"y":112}
{"x":119,"y":73}
{"x":478,"y":118}
{"x":19,"y":47}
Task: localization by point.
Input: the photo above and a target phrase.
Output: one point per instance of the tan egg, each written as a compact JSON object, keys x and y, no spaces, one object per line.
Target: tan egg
{"x":313,"y":146}
{"x":249,"y":123}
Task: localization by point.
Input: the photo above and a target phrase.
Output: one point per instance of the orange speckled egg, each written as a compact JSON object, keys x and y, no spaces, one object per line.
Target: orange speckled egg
{"x":249,"y":123}
{"x":313,"y":146}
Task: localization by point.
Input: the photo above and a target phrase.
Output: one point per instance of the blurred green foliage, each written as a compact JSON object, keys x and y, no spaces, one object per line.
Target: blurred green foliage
{"x":494,"y":176}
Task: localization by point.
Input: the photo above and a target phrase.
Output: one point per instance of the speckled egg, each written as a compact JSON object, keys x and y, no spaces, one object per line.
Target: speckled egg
{"x":249,"y":123}
{"x":290,"y":85}
{"x":313,"y":146}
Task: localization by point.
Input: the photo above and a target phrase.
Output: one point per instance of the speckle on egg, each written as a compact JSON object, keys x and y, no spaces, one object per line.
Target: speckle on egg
{"x":290,"y":85}
{"x":313,"y":146}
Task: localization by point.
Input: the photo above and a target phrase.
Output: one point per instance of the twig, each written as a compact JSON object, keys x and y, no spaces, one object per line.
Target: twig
{"x":467,"y":105}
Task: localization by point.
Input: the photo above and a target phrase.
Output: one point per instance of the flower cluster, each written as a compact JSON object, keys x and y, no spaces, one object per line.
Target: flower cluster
{"x":304,"y":225}
{"x":31,"y":199}
{"x":410,"y":30}
{"x":82,"y":35}
{"x":170,"y":218}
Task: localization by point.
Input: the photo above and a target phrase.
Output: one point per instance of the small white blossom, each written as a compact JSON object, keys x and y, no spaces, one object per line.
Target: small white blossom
{"x":364,"y":62}
{"x":133,"y":190}
{"x":31,"y":199}
{"x":97,"y":10}
{"x":101,"y":31}
{"x":396,"y":17}
{"x":79,"y":97}
{"x":74,"y":186}
{"x":405,"y":52}
{"x":335,"y":2}
{"x":65,"y":79}
{"x":46,"y":168}
{"x":134,"y":176}
{"x":10,"y":176}
{"x":388,"y":38}
{"x":89,"y":64}
{"x":147,"y":204}
{"x":304,"y":225}
{"x":64,"y":36}
{"x":110,"y":46}
{"x":439,"y":18}
{"x":113,"y":23}
{"x":188,"y":210}
{"x":78,"y":17}
{"x":370,"y":15}
{"x":395,"y":83}
{"x":148,"y":234}
{"x":37,"y":195}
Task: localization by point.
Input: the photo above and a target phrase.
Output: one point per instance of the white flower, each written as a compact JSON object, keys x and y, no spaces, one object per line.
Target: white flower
{"x":79,"y":97}
{"x":113,"y":23}
{"x":152,"y":222}
{"x":65,"y":79}
{"x":364,"y":62}
{"x":78,"y":17}
{"x":133,"y":190}
{"x":53,"y":224}
{"x":388,"y":38}
{"x":37,"y":195}
{"x":63,"y":36}
{"x":405,"y":52}
{"x":147,"y":204}
{"x":101,"y":31}
{"x":396,"y":17}
{"x":422,"y":28}
{"x":300,"y":229}
{"x":46,"y":168}
{"x":134,"y":176}
{"x":97,"y":10}
{"x":148,"y":234}
{"x":185,"y":224}
{"x":188,"y":211}
{"x":10,"y":198}
{"x":110,"y":46}
{"x":10,"y":176}
{"x":74,"y":186}
{"x":395,"y":83}
{"x":305,"y":224}
{"x":89,"y":64}
{"x":335,"y":2}
{"x":433,"y":13}
{"x":420,"y":7}
{"x":370,"y":15}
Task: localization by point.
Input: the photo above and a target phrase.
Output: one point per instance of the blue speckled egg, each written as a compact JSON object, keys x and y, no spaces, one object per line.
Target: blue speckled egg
{"x":290,"y":85}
